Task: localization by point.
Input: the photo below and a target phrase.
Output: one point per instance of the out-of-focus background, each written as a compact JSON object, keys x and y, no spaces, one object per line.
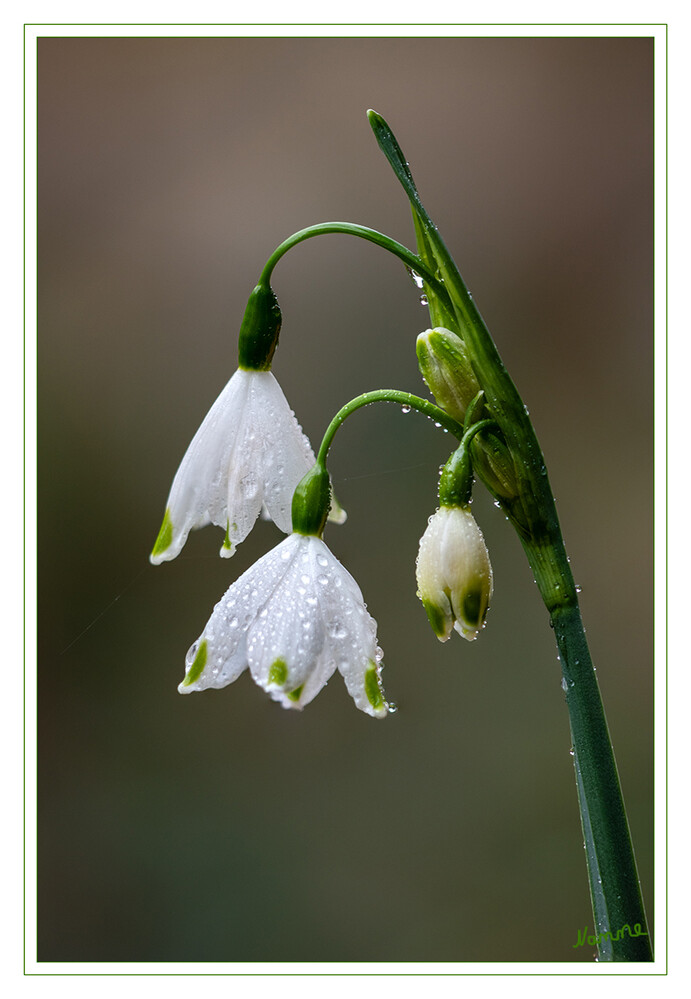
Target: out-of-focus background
{"x":219,"y":827}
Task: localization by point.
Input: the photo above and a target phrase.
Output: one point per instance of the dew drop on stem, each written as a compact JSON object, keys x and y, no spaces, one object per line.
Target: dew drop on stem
{"x":417,"y":279}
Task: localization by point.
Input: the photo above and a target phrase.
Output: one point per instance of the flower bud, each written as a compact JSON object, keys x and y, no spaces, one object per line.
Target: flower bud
{"x":445,"y":366}
{"x":493,"y":462}
{"x":454,"y":575}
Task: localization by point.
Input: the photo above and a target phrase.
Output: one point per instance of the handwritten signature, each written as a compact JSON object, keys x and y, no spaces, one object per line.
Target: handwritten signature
{"x":596,"y":939}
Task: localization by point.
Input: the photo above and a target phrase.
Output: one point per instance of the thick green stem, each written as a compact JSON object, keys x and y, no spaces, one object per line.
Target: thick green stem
{"x":620,"y":921}
{"x":621,"y":928}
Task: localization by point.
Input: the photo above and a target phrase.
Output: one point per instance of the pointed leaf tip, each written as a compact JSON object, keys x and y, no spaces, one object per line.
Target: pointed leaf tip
{"x":389,"y":146}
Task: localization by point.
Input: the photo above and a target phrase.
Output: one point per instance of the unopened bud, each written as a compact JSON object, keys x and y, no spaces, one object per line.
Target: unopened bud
{"x":445,"y":366}
{"x":493,"y":463}
{"x":454,"y":575}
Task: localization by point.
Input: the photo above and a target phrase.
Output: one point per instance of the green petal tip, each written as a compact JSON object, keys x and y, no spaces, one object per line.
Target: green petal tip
{"x":165,"y":536}
{"x":197,"y":666}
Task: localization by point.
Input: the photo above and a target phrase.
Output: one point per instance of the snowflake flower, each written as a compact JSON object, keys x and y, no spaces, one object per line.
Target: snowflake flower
{"x":454,"y":574}
{"x":249,"y":454}
{"x":293,"y":618}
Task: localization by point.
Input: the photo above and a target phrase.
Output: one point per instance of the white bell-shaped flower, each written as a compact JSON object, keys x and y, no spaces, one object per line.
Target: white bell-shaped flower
{"x":248,"y":454}
{"x":293,"y":618}
{"x":454,"y":575}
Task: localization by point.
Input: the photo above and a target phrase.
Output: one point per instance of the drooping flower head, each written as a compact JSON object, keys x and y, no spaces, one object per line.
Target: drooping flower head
{"x":249,"y":453}
{"x":293,"y":618}
{"x":454,"y":575}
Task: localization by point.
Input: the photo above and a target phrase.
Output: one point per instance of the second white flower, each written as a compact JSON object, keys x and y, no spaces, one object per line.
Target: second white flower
{"x":293,"y":618}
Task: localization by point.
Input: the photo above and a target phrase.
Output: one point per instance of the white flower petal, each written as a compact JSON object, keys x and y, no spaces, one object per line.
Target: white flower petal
{"x":219,"y":655}
{"x":249,"y":451}
{"x":288,"y":648}
{"x":352,"y":633}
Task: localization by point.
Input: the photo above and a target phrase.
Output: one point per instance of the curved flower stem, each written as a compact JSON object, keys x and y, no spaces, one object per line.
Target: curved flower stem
{"x":411,"y":260}
{"x":620,"y":921}
{"x":405,"y":399}
{"x":456,"y":482}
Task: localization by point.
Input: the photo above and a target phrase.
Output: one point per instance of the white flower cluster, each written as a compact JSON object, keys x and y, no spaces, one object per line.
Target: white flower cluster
{"x":295,"y":616}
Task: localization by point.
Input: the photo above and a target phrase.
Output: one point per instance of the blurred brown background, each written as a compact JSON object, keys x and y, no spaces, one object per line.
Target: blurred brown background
{"x":220,"y":827}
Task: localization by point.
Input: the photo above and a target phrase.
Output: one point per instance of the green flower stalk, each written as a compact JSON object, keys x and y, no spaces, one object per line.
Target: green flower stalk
{"x":514,"y":471}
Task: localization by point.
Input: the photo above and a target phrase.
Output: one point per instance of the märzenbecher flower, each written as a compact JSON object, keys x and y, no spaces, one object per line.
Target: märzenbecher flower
{"x":293,"y":618}
{"x":249,"y":453}
{"x":454,"y":575}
